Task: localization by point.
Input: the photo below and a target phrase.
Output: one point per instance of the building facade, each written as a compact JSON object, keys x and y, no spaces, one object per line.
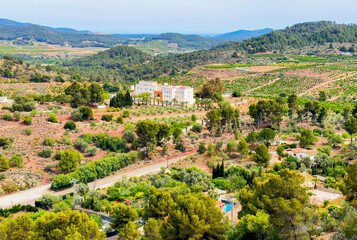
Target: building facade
{"x":166,"y":92}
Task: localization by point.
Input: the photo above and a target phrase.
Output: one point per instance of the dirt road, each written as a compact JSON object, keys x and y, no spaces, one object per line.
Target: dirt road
{"x":31,"y":195}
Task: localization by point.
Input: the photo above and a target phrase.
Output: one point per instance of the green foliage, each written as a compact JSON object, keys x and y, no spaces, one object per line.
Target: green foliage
{"x":252,"y":227}
{"x":46,"y":152}
{"x":349,"y":187}
{"x":4,"y":163}
{"x":307,"y":138}
{"x":159,"y":204}
{"x":262,"y":155}
{"x":47,"y":201}
{"x":266,"y":113}
{"x":16,"y":161}
{"x":107,"y":117}
{"x":52,"y":118}
{"x":70,"y":125}
{"x":69,"y":160}
{"x":7,"y":117}
{"x":122,"y":99}
{"x":49,"y":142}
{"x":201,"y":148}
{"x":283,"y":198}
{"x":28,"y":131}
{"x":93,"y":170}
{"x":195,"y":216}
{"x":27,"y":120}
{"x":5,"y":142}
{"x":122,"y":215}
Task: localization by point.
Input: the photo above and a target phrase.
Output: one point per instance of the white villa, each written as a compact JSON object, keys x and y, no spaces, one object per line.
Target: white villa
{"x":166,"y":92}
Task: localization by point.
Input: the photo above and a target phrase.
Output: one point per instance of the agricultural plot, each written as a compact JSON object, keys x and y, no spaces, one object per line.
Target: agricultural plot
{"x":247,"y":83}
{"x":344,"y":88}
{"x":289,"y":85}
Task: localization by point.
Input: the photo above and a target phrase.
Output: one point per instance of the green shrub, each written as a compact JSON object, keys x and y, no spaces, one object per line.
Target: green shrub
{"x":45,"y":153}
{"x":119,"y":120}
{"x":126,"y":113}
{"x":49,"y":142}
{"x":5,"y":142}
{"x":107,"y":117}
{"x":129,"y":136}
{"x":76,"y":115}
{"x":197,"y":127}
{"x":81,"y":144}
{"x":7,"y":117}
{"x":52,"y":118}
{"x":27,"y":120}
{"x":16,"y":161}
{"x":87,"y":113}
{"x":17,"y":116}
{"x":58,"y":155}
{"x":28,"y":131}
{"x":65,"y":140}
{"x":4,"y":163}
{"x":70,"y":125}
{"x":49,"y":166}
{"x":92,"y":151}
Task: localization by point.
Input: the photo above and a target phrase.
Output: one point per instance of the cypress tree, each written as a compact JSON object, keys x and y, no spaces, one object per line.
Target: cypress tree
{"x":222,"y":170}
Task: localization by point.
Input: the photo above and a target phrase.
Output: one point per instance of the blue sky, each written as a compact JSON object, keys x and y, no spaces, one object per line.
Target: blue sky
{"x":184,"y":16}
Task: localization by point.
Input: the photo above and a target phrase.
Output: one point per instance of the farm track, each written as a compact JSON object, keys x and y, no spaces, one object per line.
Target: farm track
{"x":256,"y":88}
{"x":337,"y":78}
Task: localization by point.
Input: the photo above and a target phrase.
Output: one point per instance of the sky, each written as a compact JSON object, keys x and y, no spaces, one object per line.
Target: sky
{"x":183,"y":16}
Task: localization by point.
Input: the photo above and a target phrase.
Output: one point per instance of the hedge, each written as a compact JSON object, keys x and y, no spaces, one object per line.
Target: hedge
{"x":95,"y":170}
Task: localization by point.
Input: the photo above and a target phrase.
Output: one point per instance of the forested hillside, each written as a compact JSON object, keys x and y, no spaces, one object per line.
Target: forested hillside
{"x":123,"y":67}
{"x":297,"y":36}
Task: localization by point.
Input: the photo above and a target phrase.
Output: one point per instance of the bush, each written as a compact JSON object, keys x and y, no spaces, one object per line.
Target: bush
{"x":129,"y":136}
{"x":193,"y":117}
{"x":27,"y":120}
{"x":70,"y":125}
{"x":6,"y":141}
{"x":47,"y":201}
{"x":87,"y":113}
{"x":65,"y":140}
{"x":49,"y":142}
{"x":7,"y":117}
{"x":28,"y":131}
{"x":119,"y":120}
{"x":236,"y":94}
{"x":16,"y":161}
{"x":81,"y":144}
{"x":108,"y":117}
{"x":49,"y":166}
{"x":91,"y":150}
{"x":45,"y":153}
{"x":202,"y":148}
{"x":76,"y":115}
{"x":52,"y":118}
{"x":58,"y":155}
{"x":126,"y":113}
{"x":4,"y":163}
{"x":17,"y":116}
{"x":197,"y":127}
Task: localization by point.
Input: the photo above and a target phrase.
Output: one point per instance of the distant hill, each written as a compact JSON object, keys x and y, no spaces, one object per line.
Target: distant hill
{"x":23,"y":33}
{"x":194,"y":42}
{"x":244,"y":34}
{"x":8,"y":22}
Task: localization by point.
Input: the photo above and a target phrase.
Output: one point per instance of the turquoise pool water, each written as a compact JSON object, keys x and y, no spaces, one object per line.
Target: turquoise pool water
{"x":227,"y":208}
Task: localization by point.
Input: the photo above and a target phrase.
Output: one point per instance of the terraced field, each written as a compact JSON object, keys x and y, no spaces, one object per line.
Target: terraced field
{"x":289,"y":85}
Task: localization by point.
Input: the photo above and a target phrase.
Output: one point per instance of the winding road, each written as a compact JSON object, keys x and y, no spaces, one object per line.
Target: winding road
{"x":31,"y":195}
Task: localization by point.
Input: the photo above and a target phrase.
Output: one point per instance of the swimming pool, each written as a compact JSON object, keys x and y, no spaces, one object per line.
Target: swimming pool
{"x":228,"y":207}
